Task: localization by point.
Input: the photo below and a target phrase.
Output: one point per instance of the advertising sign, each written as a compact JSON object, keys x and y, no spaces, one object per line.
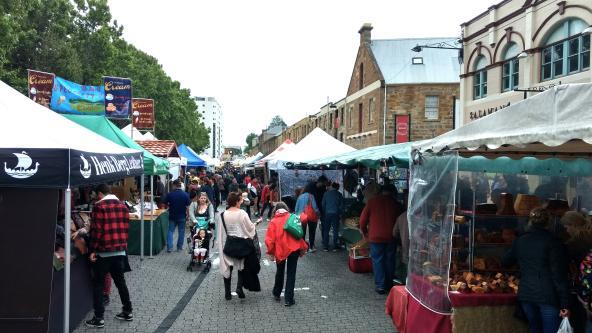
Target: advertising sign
{"x":40,"y":86}
{"x":118,"y":97}
{"x":145,"y":113}
{"x":402,"y":128}
{"x":73,"y":98}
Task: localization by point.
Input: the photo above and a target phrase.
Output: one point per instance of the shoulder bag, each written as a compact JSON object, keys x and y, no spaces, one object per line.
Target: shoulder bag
{"x":236,"y":247}
{"x":311,"y":215}
{"x":294,"y":227}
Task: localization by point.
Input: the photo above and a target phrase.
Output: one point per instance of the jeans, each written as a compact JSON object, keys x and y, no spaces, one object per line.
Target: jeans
{"x":290,"y":278}
{"x":330,"y":221}
{"x":180,"y":224}
{"x":542,"y":318}
{"x":114,"y":266}
{"x":383,"y":264}
{"x":266,"y":205}
{"x":312,"y":228}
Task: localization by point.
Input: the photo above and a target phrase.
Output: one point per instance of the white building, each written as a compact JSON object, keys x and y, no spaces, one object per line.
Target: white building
{"x":211,"y":113}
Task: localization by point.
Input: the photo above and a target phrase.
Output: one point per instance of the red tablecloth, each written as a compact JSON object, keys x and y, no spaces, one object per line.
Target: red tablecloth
{"x":462,"y":300}
{"x":396,"y":307}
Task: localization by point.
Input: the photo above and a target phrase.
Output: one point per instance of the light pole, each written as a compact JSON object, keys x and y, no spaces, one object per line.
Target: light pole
{"x":134,"y":114}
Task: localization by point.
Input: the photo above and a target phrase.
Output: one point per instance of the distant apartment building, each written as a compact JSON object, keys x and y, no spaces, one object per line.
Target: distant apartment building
{"x":211,"y":115}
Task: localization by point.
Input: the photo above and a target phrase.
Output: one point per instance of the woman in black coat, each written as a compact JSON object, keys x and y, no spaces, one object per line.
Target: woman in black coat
{"x":543,"y":292}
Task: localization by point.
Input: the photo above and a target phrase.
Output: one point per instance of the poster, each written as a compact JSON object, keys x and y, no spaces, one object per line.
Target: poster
{"x":40,"y":86}
{"x":73,"y":98}
{"x":402,"y":128}
{"x":118,"y":96}
{"x":145,"y":113}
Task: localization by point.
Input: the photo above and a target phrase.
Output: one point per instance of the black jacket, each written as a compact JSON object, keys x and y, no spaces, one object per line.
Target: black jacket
{"x":543,"y":268}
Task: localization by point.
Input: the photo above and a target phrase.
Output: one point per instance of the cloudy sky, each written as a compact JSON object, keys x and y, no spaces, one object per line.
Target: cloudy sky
{"x":260,"y":58}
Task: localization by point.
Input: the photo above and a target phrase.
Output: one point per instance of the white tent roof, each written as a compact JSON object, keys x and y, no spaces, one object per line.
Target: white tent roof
{"x":138,"y":136}
{"x":554,"y":123}
{"x":26,"y":124}
{"x":206,"y":158}
{"x":149,"y":136}
{"x":317,"y":144}
{"x":285,"y":146}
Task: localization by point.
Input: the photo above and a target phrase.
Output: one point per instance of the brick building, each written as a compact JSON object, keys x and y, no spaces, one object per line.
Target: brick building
{"x":390,"y":84}
{"x":270,"y":139}
{"x":524,"y":45}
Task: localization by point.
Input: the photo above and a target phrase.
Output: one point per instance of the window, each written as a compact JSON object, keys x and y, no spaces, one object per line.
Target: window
{"x":510,"y":68}
{"x":361,"y":83}
{"x":480,"y":78}
{"x":431,"y":107}
{"x":371,"y":107}
{"x":566,"y":50}
{"x":349,"y":117}
{"x":341,"y":119}
{"x":360,"y":116}
{"x":331,"y":120}
{"x":417,"y":60}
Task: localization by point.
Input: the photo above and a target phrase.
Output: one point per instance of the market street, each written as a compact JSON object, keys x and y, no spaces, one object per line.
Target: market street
{"x":329,"y":298}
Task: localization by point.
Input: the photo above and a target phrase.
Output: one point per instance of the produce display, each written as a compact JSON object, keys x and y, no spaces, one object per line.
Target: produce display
{"x":468,"y":282}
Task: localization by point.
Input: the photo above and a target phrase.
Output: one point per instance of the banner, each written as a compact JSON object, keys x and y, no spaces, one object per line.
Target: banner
{"x":402,"y":129}
{"x":73,"y":98}
{"x":118,"y":96}
{"x":40,"y":86}
{"x":145,"y":113}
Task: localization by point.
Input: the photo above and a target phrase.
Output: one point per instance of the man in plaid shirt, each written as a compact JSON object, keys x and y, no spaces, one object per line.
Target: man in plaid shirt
{"x":108,"y":243}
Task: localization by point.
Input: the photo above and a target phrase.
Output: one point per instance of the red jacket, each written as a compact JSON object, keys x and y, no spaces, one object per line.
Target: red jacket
{"x":109,"y":226}
{"x":279,"y":243}
{"x":265,"y":194}
{"x":380,"y":216}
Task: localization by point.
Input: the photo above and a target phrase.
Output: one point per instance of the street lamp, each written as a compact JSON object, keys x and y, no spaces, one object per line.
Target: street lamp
{"x":134,"y":114}
{"x":523,"y":55}
{"x":587,"y":31}
{"x":450,"y":45}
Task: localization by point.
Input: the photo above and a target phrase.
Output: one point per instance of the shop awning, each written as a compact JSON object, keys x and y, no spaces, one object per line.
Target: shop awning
{"x":193,"y":160}
{"x":160,"y":148}
{"x":105,"y":128}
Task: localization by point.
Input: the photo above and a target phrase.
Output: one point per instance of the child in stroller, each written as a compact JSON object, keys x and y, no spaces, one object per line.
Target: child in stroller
{"x":200,"y":248}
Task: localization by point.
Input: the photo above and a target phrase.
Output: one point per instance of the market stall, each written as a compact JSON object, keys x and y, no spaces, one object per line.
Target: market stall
{"x":35,"y":168}
{"x":456,"y":239}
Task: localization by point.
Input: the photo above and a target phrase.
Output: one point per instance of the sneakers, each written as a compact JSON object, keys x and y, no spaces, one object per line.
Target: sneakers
{"x":337,"y":248}
{"x":124,"y":316}
{"x":325,"y":249}
{"x":380,"y":291}
{"x":289,"y":303}
{"x":312,"y":250}
{"x":95,"y":322}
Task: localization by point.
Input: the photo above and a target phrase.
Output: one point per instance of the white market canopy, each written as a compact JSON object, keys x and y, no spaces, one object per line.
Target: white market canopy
{"x":554,"y":123}
{"x":208,"y":159}
{"x":317,"y":144}
{"x":40,"y":148}
{"x":285,"y":146}
{"x":137,"y":135}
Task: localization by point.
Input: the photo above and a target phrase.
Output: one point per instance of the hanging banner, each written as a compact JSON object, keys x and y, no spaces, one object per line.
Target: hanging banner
{"x":402,"y":129}
{"x":144,"y":118}
{"x":118,"y":96}
{"x":73,"y":98}
{"x":40,"y":86}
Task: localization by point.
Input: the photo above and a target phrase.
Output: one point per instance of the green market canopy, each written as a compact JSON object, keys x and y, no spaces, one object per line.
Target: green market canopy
{"x":104,"y":127}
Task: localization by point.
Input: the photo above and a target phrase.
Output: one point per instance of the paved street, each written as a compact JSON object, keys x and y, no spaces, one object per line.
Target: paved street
{"x":329,"y":298}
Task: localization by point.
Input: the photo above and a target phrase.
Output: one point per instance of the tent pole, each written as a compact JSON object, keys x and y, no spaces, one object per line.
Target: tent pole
{"x":67,"y":236}
{"x":151,"y":214}
{"x":142,"y":217}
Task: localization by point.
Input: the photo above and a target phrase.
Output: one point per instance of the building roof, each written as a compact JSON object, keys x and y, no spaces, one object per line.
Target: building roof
{"x":160,"y":148}
{"x":394,"y":58}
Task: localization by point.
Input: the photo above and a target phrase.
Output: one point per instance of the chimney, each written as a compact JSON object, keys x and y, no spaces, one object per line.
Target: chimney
{"x":365,"y":33}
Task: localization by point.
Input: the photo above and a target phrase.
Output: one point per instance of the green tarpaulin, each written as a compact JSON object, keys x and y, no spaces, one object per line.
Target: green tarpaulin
{"x":102,"y":126}
{"x":373,"y":157}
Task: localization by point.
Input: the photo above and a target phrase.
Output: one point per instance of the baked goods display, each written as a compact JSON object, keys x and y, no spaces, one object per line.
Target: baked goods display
{"x":499,"y":283}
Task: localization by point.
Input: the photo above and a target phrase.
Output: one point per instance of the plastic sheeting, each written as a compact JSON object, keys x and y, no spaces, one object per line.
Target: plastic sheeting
{"x":431,"y":219}
{"x":291,"y":179}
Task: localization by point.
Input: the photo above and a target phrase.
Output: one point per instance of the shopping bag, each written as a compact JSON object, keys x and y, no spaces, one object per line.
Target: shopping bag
{"x":294,"y":227}
{"x":311,"y":215}
{"x":565,"y":327}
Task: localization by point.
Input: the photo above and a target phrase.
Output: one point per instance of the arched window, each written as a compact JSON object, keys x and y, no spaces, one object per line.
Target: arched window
{"x":566,"y":50}
{"x":480,"y":78}
{"x":510,"y":68}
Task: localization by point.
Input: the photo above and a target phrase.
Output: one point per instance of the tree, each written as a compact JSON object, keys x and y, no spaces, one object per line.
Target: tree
{"x":277,"y":121}
{"x":249,"y":140}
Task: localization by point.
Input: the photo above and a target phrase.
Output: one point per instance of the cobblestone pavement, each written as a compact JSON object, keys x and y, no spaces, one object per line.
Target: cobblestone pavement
{"x":329,"y":298}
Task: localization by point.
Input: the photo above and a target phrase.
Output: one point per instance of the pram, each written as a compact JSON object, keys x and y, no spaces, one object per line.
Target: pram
{"x":195,"y":244}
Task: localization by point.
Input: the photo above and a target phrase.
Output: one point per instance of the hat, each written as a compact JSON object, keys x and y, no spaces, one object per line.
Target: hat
{"x":195,"y":180}
{"x":573,"y":218}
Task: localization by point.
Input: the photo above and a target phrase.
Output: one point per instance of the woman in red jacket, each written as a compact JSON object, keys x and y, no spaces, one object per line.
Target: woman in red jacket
{"x":283,"y":247}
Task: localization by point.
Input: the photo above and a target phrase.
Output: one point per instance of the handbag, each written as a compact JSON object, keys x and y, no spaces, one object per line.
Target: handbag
{"x":311,"y":215}
{"x":294,"y":227}
{"x":236,"y":247}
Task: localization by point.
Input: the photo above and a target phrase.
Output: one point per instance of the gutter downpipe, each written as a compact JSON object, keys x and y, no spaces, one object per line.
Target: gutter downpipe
{"x":384,"y":116}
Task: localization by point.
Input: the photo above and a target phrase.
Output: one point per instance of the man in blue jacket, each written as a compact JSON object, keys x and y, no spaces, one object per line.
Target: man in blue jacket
{"x":332,"y":208}
{"x":178,"y":201}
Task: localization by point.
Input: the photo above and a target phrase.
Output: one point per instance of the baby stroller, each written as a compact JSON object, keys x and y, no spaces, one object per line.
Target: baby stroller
{"x":199,"y":248}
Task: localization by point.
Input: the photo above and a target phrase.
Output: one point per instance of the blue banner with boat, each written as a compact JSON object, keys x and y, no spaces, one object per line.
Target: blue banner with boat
{"x":73,"y":98}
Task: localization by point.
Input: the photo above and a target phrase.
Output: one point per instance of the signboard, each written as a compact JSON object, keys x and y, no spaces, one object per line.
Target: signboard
{"x":73,"y":98}
{"x":40,"y":86}
{"x":118,"y":97}
{"x":145,"y":113}
{"x":402,"y":128}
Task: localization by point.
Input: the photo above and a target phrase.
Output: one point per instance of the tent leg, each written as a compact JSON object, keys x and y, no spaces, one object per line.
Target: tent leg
{"x":151,"y":214}
{"x":142,"y":217}
{"x":67,"y":236}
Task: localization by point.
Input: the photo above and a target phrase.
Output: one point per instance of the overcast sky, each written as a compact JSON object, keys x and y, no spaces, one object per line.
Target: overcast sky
{"x":262,"y":58}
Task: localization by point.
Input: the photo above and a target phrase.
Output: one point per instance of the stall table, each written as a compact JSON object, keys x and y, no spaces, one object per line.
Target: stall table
{"x":161,"y":225}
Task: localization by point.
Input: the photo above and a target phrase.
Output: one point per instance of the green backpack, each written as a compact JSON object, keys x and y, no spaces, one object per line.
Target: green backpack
{"x":294,"y":227}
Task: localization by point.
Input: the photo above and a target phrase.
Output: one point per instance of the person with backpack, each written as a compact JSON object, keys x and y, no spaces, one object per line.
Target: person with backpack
{"x":307,"y":209}
{"x":284,"y":249}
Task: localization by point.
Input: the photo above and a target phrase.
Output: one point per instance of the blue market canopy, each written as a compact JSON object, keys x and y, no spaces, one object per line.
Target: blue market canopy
{"x":193,"y":160}
{"x":40,"y":148}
